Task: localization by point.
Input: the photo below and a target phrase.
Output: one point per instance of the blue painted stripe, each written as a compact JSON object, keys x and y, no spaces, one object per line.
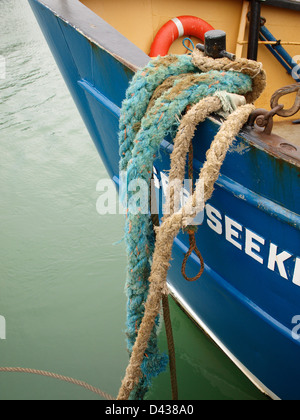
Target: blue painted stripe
{"x":107,"y":103}
{"x":231,"y":290}
{"x":267,"y":206}
{"x":263,"y":204}
{"x":242,"y":193}
{"x":116,"y":180}
{"x":242,"y":299}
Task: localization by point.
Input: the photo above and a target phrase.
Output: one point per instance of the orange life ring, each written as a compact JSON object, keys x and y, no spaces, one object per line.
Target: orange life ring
{"x":175,"y":28}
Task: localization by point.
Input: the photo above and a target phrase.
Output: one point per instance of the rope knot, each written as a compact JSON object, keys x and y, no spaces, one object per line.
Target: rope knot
{"x":191,"y":230}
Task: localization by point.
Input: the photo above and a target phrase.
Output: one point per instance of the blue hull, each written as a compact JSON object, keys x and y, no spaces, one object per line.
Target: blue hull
{"x":248,"y":299}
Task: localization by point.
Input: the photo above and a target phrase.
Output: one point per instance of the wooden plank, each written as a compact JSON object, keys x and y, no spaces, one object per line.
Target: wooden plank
{"x":242,"y":29}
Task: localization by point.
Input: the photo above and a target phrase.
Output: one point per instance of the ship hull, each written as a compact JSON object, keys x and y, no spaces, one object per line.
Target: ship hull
{"x":248,"y":299}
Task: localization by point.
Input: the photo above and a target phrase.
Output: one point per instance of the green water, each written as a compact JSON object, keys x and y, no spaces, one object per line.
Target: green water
{"x":61,"y":271}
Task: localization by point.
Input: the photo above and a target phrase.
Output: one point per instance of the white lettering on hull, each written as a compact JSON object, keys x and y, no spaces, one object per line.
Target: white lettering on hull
{"x":252,"y":244}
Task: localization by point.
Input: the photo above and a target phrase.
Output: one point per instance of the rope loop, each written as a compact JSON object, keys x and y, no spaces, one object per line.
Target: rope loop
{"x":192,"y":229}
{"x":191,"y":42}
{"x":193,"y":247}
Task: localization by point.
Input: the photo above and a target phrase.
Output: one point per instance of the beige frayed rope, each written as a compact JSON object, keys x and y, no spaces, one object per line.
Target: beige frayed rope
{"x":83,"y":384}
{"x":242,"y":65}
{"x":166,"y":234}
{"x":197,"y":114}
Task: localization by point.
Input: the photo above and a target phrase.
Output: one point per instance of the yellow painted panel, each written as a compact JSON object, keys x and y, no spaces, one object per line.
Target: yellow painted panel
{"x":139,"y":21}
{"x":132,"y":18}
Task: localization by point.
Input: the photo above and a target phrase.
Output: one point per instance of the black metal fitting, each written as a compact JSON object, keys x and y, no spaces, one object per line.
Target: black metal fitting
{"x":215,"y":45}
{"x":255,"y":24}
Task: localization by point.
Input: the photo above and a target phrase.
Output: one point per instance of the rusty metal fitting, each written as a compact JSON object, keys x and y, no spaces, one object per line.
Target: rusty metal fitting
{"x":286,"y":91}
{"x":264,"y":118}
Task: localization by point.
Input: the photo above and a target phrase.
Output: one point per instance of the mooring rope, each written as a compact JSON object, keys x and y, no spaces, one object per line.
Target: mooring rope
{"x":139,"y":143}
{"x":59,"y":377}
{"x":165,"y":236}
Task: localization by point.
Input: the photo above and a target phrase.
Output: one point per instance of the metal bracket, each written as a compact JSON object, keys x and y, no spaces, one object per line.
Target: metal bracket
{"x":215,"y":45}
{"x":286,"y":91}
{"x":264,"y":118}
